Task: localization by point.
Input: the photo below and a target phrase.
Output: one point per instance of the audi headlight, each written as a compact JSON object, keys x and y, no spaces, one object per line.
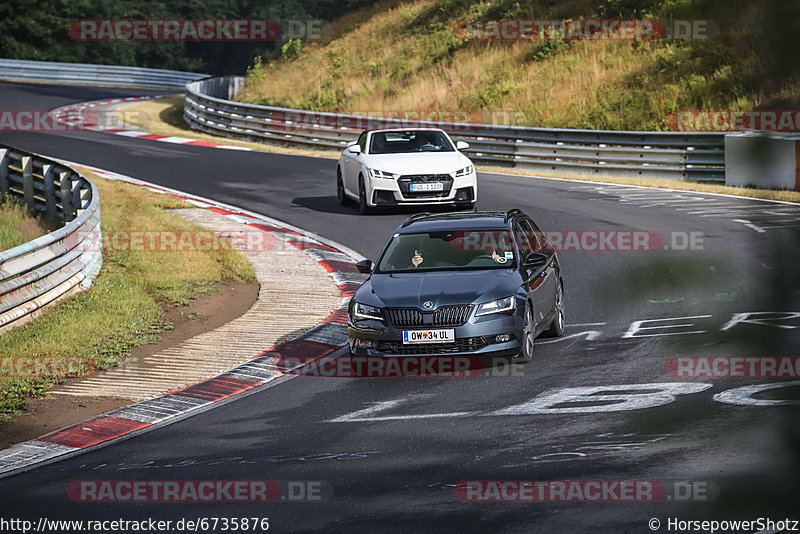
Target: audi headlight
{"x":496,"y":306}
{"x":465,"y":171}
{"x":382,"y":174}
{"x":363,"y":311}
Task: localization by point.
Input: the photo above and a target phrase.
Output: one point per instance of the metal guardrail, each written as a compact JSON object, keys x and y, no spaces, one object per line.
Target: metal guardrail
{"x":38,"y":272}
{"x":81,"y":73}
{"x":696,"y":156}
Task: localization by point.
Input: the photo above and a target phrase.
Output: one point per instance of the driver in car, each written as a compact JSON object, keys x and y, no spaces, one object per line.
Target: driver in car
{"x":423,"y":142}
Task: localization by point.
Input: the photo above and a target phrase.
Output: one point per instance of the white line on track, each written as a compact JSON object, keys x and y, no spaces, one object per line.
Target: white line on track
{"x":750,"y":225}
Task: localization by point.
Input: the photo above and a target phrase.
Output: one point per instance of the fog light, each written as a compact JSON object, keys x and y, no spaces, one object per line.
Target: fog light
{"x":502,"y":338}
{"x":366,"y":344}
{"x":383,"y":197}
{"x":465,"y":193}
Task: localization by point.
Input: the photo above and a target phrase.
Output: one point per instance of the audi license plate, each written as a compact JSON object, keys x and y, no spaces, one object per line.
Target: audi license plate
{"x":429,"y":336}
{"x":433,"y":186}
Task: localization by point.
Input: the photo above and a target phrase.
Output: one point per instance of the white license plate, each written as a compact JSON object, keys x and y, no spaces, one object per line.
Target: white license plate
{"x":433,"y":186}
{"x":429,"y":336}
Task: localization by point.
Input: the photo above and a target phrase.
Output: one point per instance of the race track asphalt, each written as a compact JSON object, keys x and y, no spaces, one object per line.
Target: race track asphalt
{"x":393,"y":468}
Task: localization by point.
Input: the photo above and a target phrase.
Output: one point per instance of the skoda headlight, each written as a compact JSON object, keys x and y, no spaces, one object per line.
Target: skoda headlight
{"x":496,"y":306}
{"x":364,"y":311}
{"x":382,"y":174}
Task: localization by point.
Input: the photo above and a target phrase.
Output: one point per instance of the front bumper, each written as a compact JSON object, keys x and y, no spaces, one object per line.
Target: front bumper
{"x":477,"y":337}
{"x":385,"y":192}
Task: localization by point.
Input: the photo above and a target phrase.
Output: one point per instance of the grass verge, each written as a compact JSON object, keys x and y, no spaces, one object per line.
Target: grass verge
{"x":18,"y":225}
{"x":165,"y":117}
{"x":124,"y":308}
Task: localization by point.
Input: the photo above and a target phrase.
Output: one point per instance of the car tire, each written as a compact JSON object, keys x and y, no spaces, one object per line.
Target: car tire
{"x":557,"y":324}
{"x":340,"y":194}
{"x":528,"y":335}
{"x":363,"y":207}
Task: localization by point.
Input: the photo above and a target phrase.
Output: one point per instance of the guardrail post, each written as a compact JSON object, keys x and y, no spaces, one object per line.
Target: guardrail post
{"x":27,"y":179}
{"x":62,"y":177}
{"x":49,"y":191}
{"x":77,"y":195}
{"x":67,"y":206}
{"x":3,"y":171}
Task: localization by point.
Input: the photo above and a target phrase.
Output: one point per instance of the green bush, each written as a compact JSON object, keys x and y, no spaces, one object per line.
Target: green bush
{"x":291,"y":49}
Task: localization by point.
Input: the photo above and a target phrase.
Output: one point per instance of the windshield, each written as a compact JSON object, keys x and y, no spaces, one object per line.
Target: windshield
{"x":409,"y":141}
{"x":453,"y":250}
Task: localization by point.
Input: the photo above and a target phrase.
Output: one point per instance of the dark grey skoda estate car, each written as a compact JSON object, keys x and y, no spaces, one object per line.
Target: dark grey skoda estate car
{"x":463,"y":284}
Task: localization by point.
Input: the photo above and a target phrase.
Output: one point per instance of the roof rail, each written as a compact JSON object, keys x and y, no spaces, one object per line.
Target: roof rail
{"x":414,"y":218}
{"x":510,"y":213}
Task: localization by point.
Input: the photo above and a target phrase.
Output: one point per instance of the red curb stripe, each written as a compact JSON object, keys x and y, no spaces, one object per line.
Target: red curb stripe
{"x":270,"y":228}
{"x":220,"y":211}
{"x":94,"y":431}
{"x":216,"y":389}
{"x":333,"y":266}
{"x":240,"y":214}
{"x":305,"y":245}
{"x":349,"y":289}
{"x":201,"y":143}
{"x":339,"y":317}
{"x":173,"y":195}
{"x":151,"y":136}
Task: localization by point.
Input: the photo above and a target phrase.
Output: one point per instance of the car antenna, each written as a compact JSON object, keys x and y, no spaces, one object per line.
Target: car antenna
{"x":414,"y":218}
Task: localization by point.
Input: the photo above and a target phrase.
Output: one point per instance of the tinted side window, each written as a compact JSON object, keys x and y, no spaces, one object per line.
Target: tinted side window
{"x":526,"y":240}
{"x":540,"y":237}
{"x":362,"y":141}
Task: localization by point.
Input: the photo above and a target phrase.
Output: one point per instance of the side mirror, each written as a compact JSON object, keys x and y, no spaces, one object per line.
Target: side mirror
{"x":536,"y":259}
{"x":462,"y":145}
{"x":355,"y":149}
{"x":364,"y":266}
